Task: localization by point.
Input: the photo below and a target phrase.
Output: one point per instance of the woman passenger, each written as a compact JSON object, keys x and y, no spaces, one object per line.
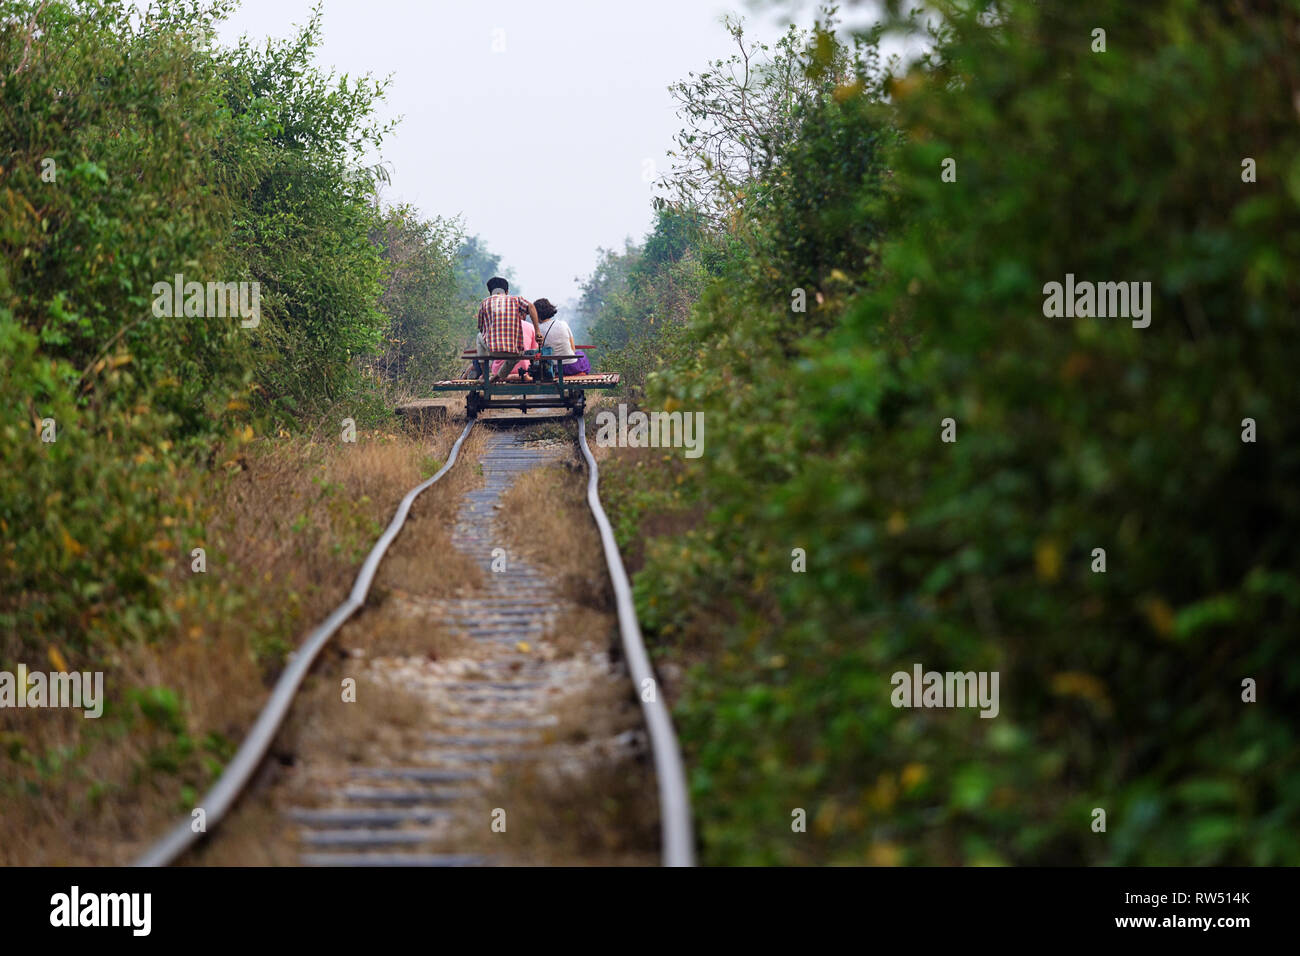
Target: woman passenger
{"x":558,"y":337}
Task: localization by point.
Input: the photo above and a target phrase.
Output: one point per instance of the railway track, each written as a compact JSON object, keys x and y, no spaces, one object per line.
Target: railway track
{"x":408,"y":811}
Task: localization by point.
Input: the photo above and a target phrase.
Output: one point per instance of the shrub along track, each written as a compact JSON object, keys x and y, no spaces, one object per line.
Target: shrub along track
{"x":463,"y":755}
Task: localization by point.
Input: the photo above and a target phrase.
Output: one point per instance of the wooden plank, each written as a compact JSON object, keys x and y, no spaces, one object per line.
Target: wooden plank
{"x":595,"y":379}
{"x":517,"y":356}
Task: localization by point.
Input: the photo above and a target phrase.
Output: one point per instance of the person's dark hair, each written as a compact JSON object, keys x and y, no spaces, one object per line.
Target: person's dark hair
{"x":496,"y":282}
{"x":544,"y":309}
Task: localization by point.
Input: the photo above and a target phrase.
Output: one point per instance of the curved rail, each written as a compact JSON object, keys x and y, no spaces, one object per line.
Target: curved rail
{"x":674,"y":803}
{"x":217,"y":801}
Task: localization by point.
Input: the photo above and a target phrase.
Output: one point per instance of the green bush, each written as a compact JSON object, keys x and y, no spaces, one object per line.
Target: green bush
{"x":429,"y":316}
{"x":104,"y":188}
{"x":636,"y":303}
{"x":131,"y":153}
{"x":1119,"y":690}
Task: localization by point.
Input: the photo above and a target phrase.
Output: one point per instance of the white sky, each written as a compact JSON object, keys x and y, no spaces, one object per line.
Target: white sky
{"x":543,"y":148}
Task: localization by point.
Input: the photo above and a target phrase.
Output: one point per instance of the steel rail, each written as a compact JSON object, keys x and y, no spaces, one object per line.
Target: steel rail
{"x":677,"y":839}
{"x":218,"y":801}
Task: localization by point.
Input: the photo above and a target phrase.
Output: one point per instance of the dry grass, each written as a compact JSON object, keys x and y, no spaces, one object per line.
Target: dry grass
{"x":287,"y":531}
{"x":337,"y":734}
{"x":400,"y":627}
{"x":586,"y":808}
{"x":325,"y":735}
{"x":588,"y":799}
{"x":603,"y":814}
{"x":422,"y":560}
{"x":421,"y":564}
{"x":598,"y":710}
{"x":565,"y":543}
{"x":578,"y":627}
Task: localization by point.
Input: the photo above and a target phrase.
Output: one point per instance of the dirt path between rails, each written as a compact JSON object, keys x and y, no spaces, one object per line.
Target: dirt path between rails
{"x":487,"y":721}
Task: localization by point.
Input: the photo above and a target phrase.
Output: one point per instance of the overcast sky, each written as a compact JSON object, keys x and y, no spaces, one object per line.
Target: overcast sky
{"x":543,"y":147}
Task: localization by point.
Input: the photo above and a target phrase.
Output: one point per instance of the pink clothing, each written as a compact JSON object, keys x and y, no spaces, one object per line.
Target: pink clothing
{"x":530,"y":342}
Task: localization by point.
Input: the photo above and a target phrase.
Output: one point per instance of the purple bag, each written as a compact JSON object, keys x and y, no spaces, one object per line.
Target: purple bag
{"x":580,"y":367}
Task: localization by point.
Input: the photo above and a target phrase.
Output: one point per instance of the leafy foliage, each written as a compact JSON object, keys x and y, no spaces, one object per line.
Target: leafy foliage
{"x":475,"y":264}
{"x":423,"y":299}
{"x":110,"y":126}
{"x":134,"y":151}
{"x":308,"y":212}
{"x":636,"y":302}
{"x":741,"y":111}
{"x":1120,"y":690}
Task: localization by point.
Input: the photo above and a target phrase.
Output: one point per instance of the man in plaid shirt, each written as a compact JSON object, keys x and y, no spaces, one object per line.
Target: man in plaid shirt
{"x":499,"y":322}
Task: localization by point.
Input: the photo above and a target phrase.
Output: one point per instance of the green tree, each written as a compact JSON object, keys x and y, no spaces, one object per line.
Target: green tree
{"x":636,"y":303}
{"x":428,"y":321}
{"x":1121,"y":689}
{"x":475,"y":264}
{"x":741,"y":110}
{"x":308,"y":211}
